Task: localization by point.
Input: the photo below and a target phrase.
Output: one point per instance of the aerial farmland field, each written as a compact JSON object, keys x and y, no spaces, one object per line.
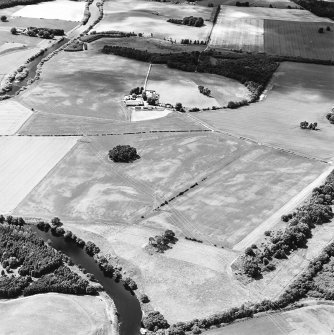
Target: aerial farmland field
{"x":25,"y":162}
{"x":298,"y":92}
{"x":229,"y":205}
{"x":238,"y":34}
{"x":86,"y":84}
{"x":61,"y":10}
{"x":12,"y":117}
{"x":150,"y":18}
{"x":70,"y":313}
{"x":298,"y":39}
{"x":177,"y":86}
{"x":307,"y":320}
{"x":90,"y":187}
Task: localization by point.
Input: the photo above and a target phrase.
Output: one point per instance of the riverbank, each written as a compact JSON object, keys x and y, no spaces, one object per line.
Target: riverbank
{"x":111,"y":313}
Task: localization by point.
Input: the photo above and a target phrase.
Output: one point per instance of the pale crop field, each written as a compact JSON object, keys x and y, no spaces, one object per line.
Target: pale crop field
{"x":86,"y":186}
{"x":12,"y":116}
{"x":55,"y":314}
{"x":177,"y":86}
{"x":298,"y":92}
{"x":25,"y":162}
{"x":89,"y":84}
{"x":238,"y":34}
{"x":242,"y":194}
{"x":299,"y":39}
{"x":60,"y":9}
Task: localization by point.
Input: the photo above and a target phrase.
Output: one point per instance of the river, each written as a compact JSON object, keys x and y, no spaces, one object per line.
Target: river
{"x":127,"y":304}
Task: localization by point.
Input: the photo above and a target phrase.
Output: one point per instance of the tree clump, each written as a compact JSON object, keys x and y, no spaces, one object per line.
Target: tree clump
{"x":188,"y":21}
{"x":123,"y":154}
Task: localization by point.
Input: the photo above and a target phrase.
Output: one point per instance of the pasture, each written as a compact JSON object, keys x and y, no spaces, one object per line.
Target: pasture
{"x":25,"y":162}
{"x":308,"y":320}
{"x":150,"y":18}
{"x":298,"y":39}
{"x":55,"y":314}
{"x":177,"y":86}
{"x":88,"y":84}
{"x":61,"y":10}
{"x":298,"y":92}
{"x":12,"y":117}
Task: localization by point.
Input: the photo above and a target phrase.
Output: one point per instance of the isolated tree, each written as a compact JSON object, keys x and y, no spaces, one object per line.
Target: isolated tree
{"x":3,"y":18}
{"x":123,"y":154}
{"x":328,"y":28}
{"x":13,"y":31}
{"x":178,"y":106}
{"x":321,"y":30}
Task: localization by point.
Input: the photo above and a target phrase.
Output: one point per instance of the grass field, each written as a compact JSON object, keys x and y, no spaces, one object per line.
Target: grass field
{"x":299,"y":92}
{"x":298,"y":39}
{"x":309,"y":320}
{"x":86,"y":84}
{"x":151,"y":18}
{"x":10,"y":47}
{"x":178,"y":86}
{"x":61,"y":10}
{"x":12,"y":117}
{"x":56,"y":314}
{"x":25,"y":162}
{"x":238,"y":34}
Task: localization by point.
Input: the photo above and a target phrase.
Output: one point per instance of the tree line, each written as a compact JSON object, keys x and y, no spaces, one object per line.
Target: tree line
{"x":279,"y":244}
{"x":188,"y":21}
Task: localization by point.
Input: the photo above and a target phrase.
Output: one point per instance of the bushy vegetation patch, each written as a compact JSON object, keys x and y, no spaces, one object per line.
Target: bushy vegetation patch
{"x":280,"y":244}
{"x":306,"y":125}
{"x":330,"y":116}
{"x":160,"y":243}
{"x":123,"y":154}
